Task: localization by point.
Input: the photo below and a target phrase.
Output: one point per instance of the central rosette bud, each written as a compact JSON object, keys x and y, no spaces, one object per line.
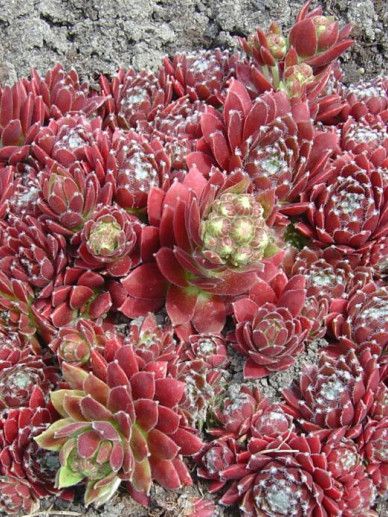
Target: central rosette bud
{"x":104,"y":238}
{"x":234,"y":230}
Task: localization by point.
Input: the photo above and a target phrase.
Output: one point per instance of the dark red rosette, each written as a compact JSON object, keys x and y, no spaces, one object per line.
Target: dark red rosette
{"x":201,"y":75}
{"x":62,"y":93}
{"x":133,"y":96}
{"x":270,"y":329}
{"x":337,"y":392}
{"x":109,"y":242}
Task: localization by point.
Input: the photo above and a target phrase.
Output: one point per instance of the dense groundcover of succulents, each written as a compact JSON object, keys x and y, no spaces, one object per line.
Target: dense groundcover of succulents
{"x":155,"y":231}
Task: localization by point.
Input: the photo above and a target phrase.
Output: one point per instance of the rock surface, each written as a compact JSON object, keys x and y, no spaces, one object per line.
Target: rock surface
{"x":97,"y":36}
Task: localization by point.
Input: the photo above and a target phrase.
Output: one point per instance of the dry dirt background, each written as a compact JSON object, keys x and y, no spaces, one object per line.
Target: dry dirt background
{"x":99,"y":36}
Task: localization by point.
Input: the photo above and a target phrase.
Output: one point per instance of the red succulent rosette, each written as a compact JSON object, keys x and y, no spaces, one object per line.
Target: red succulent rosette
{"x":25,"y":192}
{"x":363,"y":322}
{"x":17,"y":314}
{"x":64,"y":141}
{"x":134,"y":165}
{"x":235,"y":411}
{"x":368,"y":136}
{"x":17,"y":496}
{"x":373,"y":447}
{"x":120,"y":423}
{"x":68,"y":197}
{"x":20,"y":456}
{"x":74,"y":344}
{"x":327,"y":276}
{"x":210,"y":237}
{"x":270,"y":329}
{"x":367,"y":97}
{"x":211,"y":348}
{"x":32,"y":255}
{"x":273,"y":141}
{"x":202,"y":386}
{"x":177,"y":126}
{"x":215,"y":457}
{"x":201,"y":75}
{"x":283,"y":477}
{"x":77,"y":293}
{"x":317,"y":39}
{"x":20,"y":372}
{"x":21,"y":116}
{"x":346,"y":466}
{"x":62,"y":93}
{"x":349,"y":212}
{"x":335,"y":393}
{"x":133,"y":96}
{"x":109,"y":242}
{"x":153,"y":342}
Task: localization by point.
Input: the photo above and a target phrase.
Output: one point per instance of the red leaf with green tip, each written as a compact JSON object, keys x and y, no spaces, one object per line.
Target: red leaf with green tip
{"x":74,"y":376}
{"x":96,"y":388}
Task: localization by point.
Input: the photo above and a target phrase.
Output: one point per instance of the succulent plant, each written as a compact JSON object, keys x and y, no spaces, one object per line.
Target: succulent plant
{"x":273,"y":140}
{"x":69,"y":196}
{"x":335,"y":393}
{"x":348,"y":213}
{"x":20,"y":457}
{"x":201,"y":75}
{"x":364,"y":320}
{"x":284,"y":477}
{"x":32,"y":255}
{"x":123,"y":426}
{"x":177,"y":126}
{"x":133,"y":96}
{"x":16,"y":496}
{"x":21,"y":371}
{"x":211,"y":348}
{"x":62,"y":93}
{"x":64,"y":141}
{"x":199,"y":261}
{"x":373,"y":447}
{"x":317,"y":39}
{"x":78,"y":293}
{"x":270,"y":329}
{"x":74,"y":344}
{"x":109,"y":242}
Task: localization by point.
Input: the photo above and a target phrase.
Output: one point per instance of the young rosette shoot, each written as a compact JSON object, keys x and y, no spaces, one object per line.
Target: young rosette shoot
{"x":211,"y":236}
{"x":122,"y":425}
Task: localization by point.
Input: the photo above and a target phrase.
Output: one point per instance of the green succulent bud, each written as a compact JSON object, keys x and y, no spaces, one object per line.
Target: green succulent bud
{"x":235,"y":230}
{"x":104,"y":237}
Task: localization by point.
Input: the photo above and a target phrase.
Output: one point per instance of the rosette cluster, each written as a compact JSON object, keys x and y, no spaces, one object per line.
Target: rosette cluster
{"x":173,"y":246}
